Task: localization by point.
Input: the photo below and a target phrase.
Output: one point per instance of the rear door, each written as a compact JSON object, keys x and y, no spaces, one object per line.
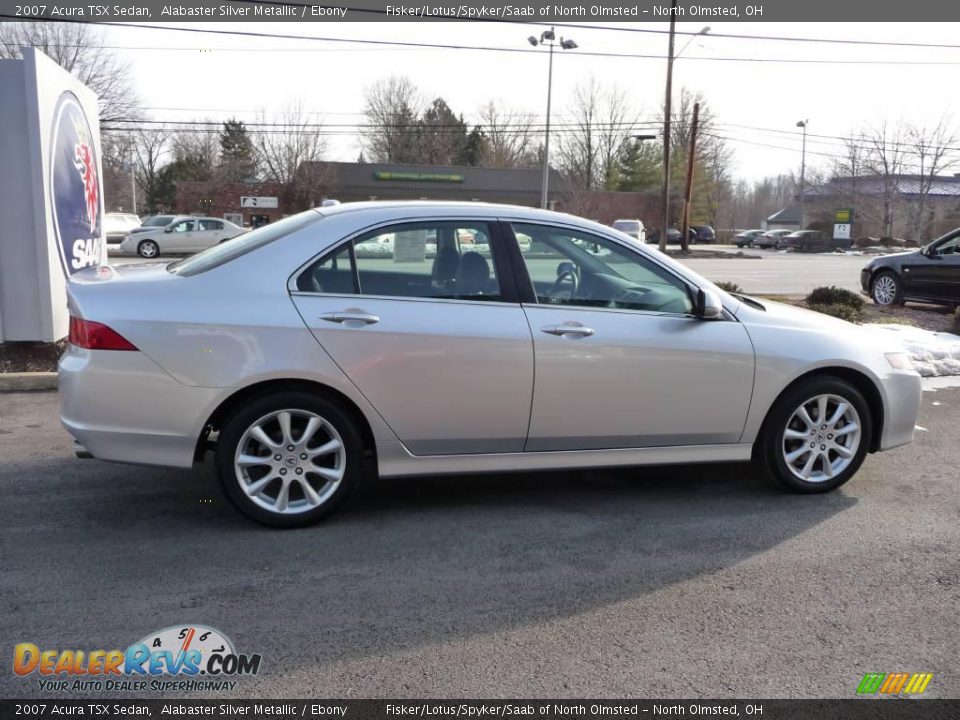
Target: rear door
{"x":211,"y":232}
{"x":436,"y":341}
{"x":936,"y":275}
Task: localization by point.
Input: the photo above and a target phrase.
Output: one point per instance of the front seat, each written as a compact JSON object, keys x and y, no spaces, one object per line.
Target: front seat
{"x":445,"y":267}
{"x":473,"y":276}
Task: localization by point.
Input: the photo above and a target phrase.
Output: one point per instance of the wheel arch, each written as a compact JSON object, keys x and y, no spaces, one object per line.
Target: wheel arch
{"x":269,"y":387}
{"x":860,"y":380}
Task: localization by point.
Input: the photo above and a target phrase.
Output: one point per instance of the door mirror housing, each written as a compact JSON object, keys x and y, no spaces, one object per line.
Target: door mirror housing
{"x":709,"y":306}
{"x":168,"y":229}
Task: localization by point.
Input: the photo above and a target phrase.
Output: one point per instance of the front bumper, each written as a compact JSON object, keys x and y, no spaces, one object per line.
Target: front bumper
{"x":902,"y":392}
{"x":865,"y":280}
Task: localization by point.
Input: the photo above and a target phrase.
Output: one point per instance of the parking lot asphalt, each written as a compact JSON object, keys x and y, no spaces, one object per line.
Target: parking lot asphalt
{"x":698,"y":581}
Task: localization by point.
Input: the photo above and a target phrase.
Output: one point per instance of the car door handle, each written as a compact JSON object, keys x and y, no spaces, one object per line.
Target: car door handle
{"x":350,"y":316}
{"x":575,"y":329}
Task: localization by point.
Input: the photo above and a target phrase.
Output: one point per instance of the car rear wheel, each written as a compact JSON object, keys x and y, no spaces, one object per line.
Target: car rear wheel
{"x":289,"y":459}
{"x":148,"y":249}
{"x":886,"y":289}
{"x":816,"y":436}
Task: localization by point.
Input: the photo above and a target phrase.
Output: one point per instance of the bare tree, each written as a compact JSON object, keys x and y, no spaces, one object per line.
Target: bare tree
{"x":931,"y":155}
{"x":197,"y":144}
{"x":510,"y":139}
{"x":149,"y":151}
{"x":79,"y":49}
{"x":288,"y":155}
{"x":393,"y":108}
{"x":885,"y":159}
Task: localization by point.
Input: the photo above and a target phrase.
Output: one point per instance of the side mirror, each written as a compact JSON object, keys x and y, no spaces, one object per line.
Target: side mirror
{"x":709,"y":306}
{"x":168,"y":229}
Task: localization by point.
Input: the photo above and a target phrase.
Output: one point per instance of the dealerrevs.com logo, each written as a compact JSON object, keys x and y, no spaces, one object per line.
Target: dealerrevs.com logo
{"x":75,"y":191}
{"x":194,"y":656}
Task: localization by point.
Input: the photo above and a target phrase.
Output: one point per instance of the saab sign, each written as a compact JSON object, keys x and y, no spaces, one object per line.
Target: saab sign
{"x":51,"y":194}
{"x":75,"y":190}
{"x":259,"y":202}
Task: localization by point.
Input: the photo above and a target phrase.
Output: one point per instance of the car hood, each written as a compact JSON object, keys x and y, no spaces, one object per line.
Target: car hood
{"x":783,"y":315}
{"x":894,"y":256}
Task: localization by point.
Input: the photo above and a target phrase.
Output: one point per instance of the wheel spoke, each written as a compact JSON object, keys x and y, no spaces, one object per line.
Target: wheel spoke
{"x":283,"y":497}
{"x":331,"y":474}
{"x":328,"y":447}
{"x":837,"y":414}
{"x":847,"y":429}
{"x":253,"y":460}
{"x":260,"y":435}
{"x":843,"y":451}
{"x":308,"y":492}
{"x":822,"y":409}
{"x":795,"y":434}
{"x":313,"y":424}
{"x":257,"y":487}
{"x":796,"y":454}
{"x":284,"y":421}
{"x":826,"y":464}
{"x":808,"y":466}
{"x":805,"y":416}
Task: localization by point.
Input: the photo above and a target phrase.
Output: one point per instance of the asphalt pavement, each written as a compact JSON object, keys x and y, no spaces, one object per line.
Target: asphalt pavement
{"x":698,"y":581}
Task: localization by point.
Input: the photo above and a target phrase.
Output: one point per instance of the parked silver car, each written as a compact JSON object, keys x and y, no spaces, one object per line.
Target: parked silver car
{"x":183,"y":234}
{"x":301,"y":363}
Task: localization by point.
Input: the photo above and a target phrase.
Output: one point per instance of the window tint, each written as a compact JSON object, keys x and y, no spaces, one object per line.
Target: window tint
{"x":211,"y":225}
{"x":568,"y":267}
{"x":443,"y":259}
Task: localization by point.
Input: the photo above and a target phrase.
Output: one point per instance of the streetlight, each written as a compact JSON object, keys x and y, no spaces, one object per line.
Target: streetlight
{"x":548,"y":37}
{"x":668,"y":102}
{"x":803,"y":167}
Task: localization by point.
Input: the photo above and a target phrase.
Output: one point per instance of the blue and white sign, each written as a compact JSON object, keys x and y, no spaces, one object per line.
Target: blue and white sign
{"x":76,"y":194}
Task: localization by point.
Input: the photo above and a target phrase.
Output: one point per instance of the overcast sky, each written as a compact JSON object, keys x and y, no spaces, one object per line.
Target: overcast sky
{"x":184,"y":76}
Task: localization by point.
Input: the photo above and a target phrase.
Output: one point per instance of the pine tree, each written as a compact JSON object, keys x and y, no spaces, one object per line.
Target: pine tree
{"x":236,"y":153}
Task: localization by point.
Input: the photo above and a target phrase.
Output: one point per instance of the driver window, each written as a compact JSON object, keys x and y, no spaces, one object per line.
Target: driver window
{"x":185,"y":226}
{"x":569,"y":267}
{"x":951,"y":247}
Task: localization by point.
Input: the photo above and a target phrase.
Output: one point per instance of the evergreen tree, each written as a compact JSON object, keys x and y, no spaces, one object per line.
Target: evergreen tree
{"x":236,"y":153}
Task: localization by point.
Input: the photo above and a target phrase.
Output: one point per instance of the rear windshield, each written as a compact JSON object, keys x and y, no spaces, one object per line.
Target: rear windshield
{"x":242,"y":244}
{"x":626,"y":225}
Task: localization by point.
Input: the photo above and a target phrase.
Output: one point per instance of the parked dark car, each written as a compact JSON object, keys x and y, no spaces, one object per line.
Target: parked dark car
{"x":930,"y":274}
{"x":812,"y":240}
{"x":673,"y":237}
{"x":747,"y":238}
{"x":702,"y":234}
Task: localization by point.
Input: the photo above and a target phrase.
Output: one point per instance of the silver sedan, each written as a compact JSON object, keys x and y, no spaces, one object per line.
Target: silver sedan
{"x":522,"y":340}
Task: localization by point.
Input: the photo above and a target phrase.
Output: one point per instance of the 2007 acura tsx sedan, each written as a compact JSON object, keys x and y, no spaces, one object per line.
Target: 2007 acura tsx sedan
{"x":488,"y":338}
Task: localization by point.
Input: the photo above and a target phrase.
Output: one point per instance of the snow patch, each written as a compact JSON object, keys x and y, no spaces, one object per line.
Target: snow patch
{"x":934,"y":354}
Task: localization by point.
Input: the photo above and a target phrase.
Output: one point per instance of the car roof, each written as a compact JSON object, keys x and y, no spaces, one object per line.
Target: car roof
{"x":426,"y":206}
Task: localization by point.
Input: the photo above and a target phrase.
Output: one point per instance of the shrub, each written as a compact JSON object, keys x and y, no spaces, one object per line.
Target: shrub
{"x":730,"y":287}
{"x":865,"y":242}
{"x":956,"y":320}
{"x":844,"y":312}
{"x":835,"y":296}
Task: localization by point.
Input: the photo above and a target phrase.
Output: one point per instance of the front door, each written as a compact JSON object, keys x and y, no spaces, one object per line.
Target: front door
{"x":180,"y":237}
{"x":428,"y":329}
{"x":937,"y":274}
{"x":621,"y":361}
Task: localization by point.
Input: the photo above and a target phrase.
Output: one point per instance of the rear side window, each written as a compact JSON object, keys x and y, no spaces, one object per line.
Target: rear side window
{"x":211,"y":225}
{"x":450,"y":259}
{"x":242,"y":244}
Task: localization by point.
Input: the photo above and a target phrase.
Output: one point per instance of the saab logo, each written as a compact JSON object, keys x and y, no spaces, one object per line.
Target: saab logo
{"x":75,"y":190}
{"x":894,"y":683}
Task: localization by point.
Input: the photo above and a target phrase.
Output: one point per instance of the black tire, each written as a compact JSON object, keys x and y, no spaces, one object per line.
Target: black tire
{"x":771,"y":448}
{"x":776,"y":245}
{"x":884,"y":277}
{"x":144,"y":249}
{"x":261,"y":407}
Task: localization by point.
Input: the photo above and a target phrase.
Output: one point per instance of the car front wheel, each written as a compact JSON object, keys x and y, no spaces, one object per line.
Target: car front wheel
{"x":886,"y":289}
{"x":816,"y":435}
{"x":148,"y":249}
{"x":289,"y":459}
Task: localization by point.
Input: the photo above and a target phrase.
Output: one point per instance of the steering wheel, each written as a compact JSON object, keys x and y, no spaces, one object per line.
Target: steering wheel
{"x":565,"y":275}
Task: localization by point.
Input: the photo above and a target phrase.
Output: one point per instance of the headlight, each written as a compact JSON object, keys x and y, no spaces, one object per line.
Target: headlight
{"x":899,"y":361}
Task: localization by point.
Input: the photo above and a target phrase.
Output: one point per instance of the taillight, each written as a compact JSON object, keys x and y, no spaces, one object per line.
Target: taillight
{"x":96,"y":336}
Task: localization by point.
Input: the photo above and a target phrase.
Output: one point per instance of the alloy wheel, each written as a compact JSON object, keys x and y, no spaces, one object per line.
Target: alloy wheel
{"x":290,"y":461}
{"x":821,"y":438}
{"x":884,"y":290}
{"x":149,"y":249}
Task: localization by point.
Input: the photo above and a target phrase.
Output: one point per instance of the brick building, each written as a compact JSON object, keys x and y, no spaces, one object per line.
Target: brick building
{"x":247,"y":204}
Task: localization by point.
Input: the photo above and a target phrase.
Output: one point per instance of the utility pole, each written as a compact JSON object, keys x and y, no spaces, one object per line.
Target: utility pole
{"x":803,"y":168}
{"x":685,"y":229}
{"x":667,"y":109}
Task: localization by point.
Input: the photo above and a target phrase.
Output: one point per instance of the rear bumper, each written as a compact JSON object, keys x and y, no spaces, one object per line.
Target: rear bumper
{"x":121,"y":406}
{"x":902,"y":391}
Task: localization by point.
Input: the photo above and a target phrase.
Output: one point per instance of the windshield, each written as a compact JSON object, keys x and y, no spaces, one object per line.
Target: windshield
{"x":225,"y":252}
{"x":626,"y":225}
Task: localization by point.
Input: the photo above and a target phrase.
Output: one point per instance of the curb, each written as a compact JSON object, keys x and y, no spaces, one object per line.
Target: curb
{"x":27,"y":382}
